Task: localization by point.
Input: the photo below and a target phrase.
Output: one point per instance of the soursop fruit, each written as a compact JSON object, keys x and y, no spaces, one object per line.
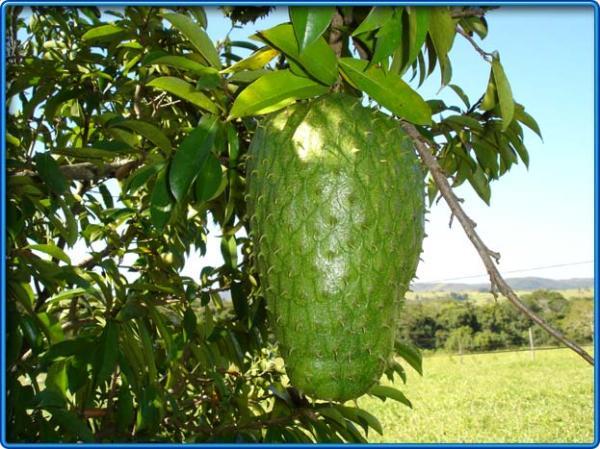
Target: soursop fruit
{"x":336,"y":207}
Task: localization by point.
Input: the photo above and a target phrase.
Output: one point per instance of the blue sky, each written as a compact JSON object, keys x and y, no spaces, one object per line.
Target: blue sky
{"x":538,"y":217}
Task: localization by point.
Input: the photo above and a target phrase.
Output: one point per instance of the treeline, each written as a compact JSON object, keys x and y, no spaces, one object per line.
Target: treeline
{"x":458,"y":323}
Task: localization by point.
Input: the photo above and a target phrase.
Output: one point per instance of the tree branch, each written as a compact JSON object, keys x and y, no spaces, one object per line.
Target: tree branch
{"x":336,"y":35}
{"x":484,"y":54}
{"x":88,"y":171}
{"x":468,"y":12}
{"x":497,"y":281}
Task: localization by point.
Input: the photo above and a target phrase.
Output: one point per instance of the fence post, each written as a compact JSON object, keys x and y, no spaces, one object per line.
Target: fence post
{"x":531,"y":345}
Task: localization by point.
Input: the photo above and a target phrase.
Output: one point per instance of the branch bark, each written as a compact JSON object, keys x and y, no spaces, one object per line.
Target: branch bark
{"x":469,"y":12}
{"x":88,"y":171}
{"x":484,"y":54}
{"x":497,"y":281}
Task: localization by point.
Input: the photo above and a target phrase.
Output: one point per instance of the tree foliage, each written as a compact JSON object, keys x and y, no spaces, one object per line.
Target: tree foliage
{"x":127,"y":131}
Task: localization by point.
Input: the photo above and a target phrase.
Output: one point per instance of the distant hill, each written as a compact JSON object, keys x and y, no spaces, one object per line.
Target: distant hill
{"x":525,"y":283}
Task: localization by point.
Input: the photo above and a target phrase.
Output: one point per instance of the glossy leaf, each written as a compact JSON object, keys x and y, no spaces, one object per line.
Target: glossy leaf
{"x":310,"y":23}
{"x":185,"y":91}
{"x":197,"y":37}
{"x":255,"y":61}
{"x":505,"y":97}
{"x":318,"y":59}
{"x":274,"y":91}
{"x":388,"y":38}
{"x":191,"y":156}
{"x":377,"y":17}
{"x":181,"y":62}
{"x":389,"y":90}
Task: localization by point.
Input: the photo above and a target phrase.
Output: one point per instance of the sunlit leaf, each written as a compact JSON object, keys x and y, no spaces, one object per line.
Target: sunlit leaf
{"x":197,"y":37}
{"x":318,"y":59}
{"x":273,"y":91}
{"x":310,"y":23}
{"x":505,"y":97}
{"x":185,"y":91}
{"x":389,"y":90}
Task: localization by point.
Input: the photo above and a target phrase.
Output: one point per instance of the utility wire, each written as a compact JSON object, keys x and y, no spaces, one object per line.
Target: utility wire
{"x":511,"y":271}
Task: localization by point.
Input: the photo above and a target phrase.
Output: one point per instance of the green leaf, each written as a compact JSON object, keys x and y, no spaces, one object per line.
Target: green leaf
{"x":229,"y":251}
{"x":181,"y":62}
{"x":526,"y":119}
{"x":209,"y":179}
{"x":480,"y":184}
{"x":389,"y":37}
{"x":71,"y":423}
{"x":107,"y":353}
{"x":197,"y":37}
{"x":185,"y":91}
{"x":274,"y":91}
{"x":191,"y":155}
{"x":490,"y":98}
{"x":103,"y":33}
{"x":318,"y":59}
{"x":125,"y":411}
{"x":418,"y":25}
{"x":411,"y":354}
{"x":310,"y":23}
{"x":463,"y":121}
{"x":505,"y":97}
{"x":442,"y":29}
{"x":140,"y":177}
{"x":49,"y":171}
{"x":362,"y":417}
{"x":148,"y":131}
{"x":239,"y":299}
{"x":53,"y":251}
{"x":49,"y":399}
{"x":389,"y":90}
{"x":384,"y":392}
{"x":246,"y":76}
{"x":161,"y":203}
{"x":256,"y":60}
{"x":377,"y":17}
{"x":461,"y":94}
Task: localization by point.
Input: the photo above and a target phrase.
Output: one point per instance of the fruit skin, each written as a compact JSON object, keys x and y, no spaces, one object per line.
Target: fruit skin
{"x":336,"y":206}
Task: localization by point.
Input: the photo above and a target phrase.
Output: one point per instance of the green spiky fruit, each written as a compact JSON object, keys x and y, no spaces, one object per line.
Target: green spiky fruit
{"x":336,"y":204}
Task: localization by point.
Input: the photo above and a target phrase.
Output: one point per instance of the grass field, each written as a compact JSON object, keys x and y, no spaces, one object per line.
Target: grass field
{"x":502,"y":397}
{"x":477,"y":296}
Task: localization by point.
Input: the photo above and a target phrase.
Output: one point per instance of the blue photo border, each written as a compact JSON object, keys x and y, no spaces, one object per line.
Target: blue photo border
{"x":7,"y":3}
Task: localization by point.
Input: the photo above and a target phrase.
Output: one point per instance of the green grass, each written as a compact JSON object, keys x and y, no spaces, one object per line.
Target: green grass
{"x":479,"y":297}
{"x":496,"y":397}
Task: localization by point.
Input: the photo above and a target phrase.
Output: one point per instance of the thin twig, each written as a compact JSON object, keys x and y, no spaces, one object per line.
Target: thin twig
{"x":497,"y":281}
{"x":484,"y":54}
